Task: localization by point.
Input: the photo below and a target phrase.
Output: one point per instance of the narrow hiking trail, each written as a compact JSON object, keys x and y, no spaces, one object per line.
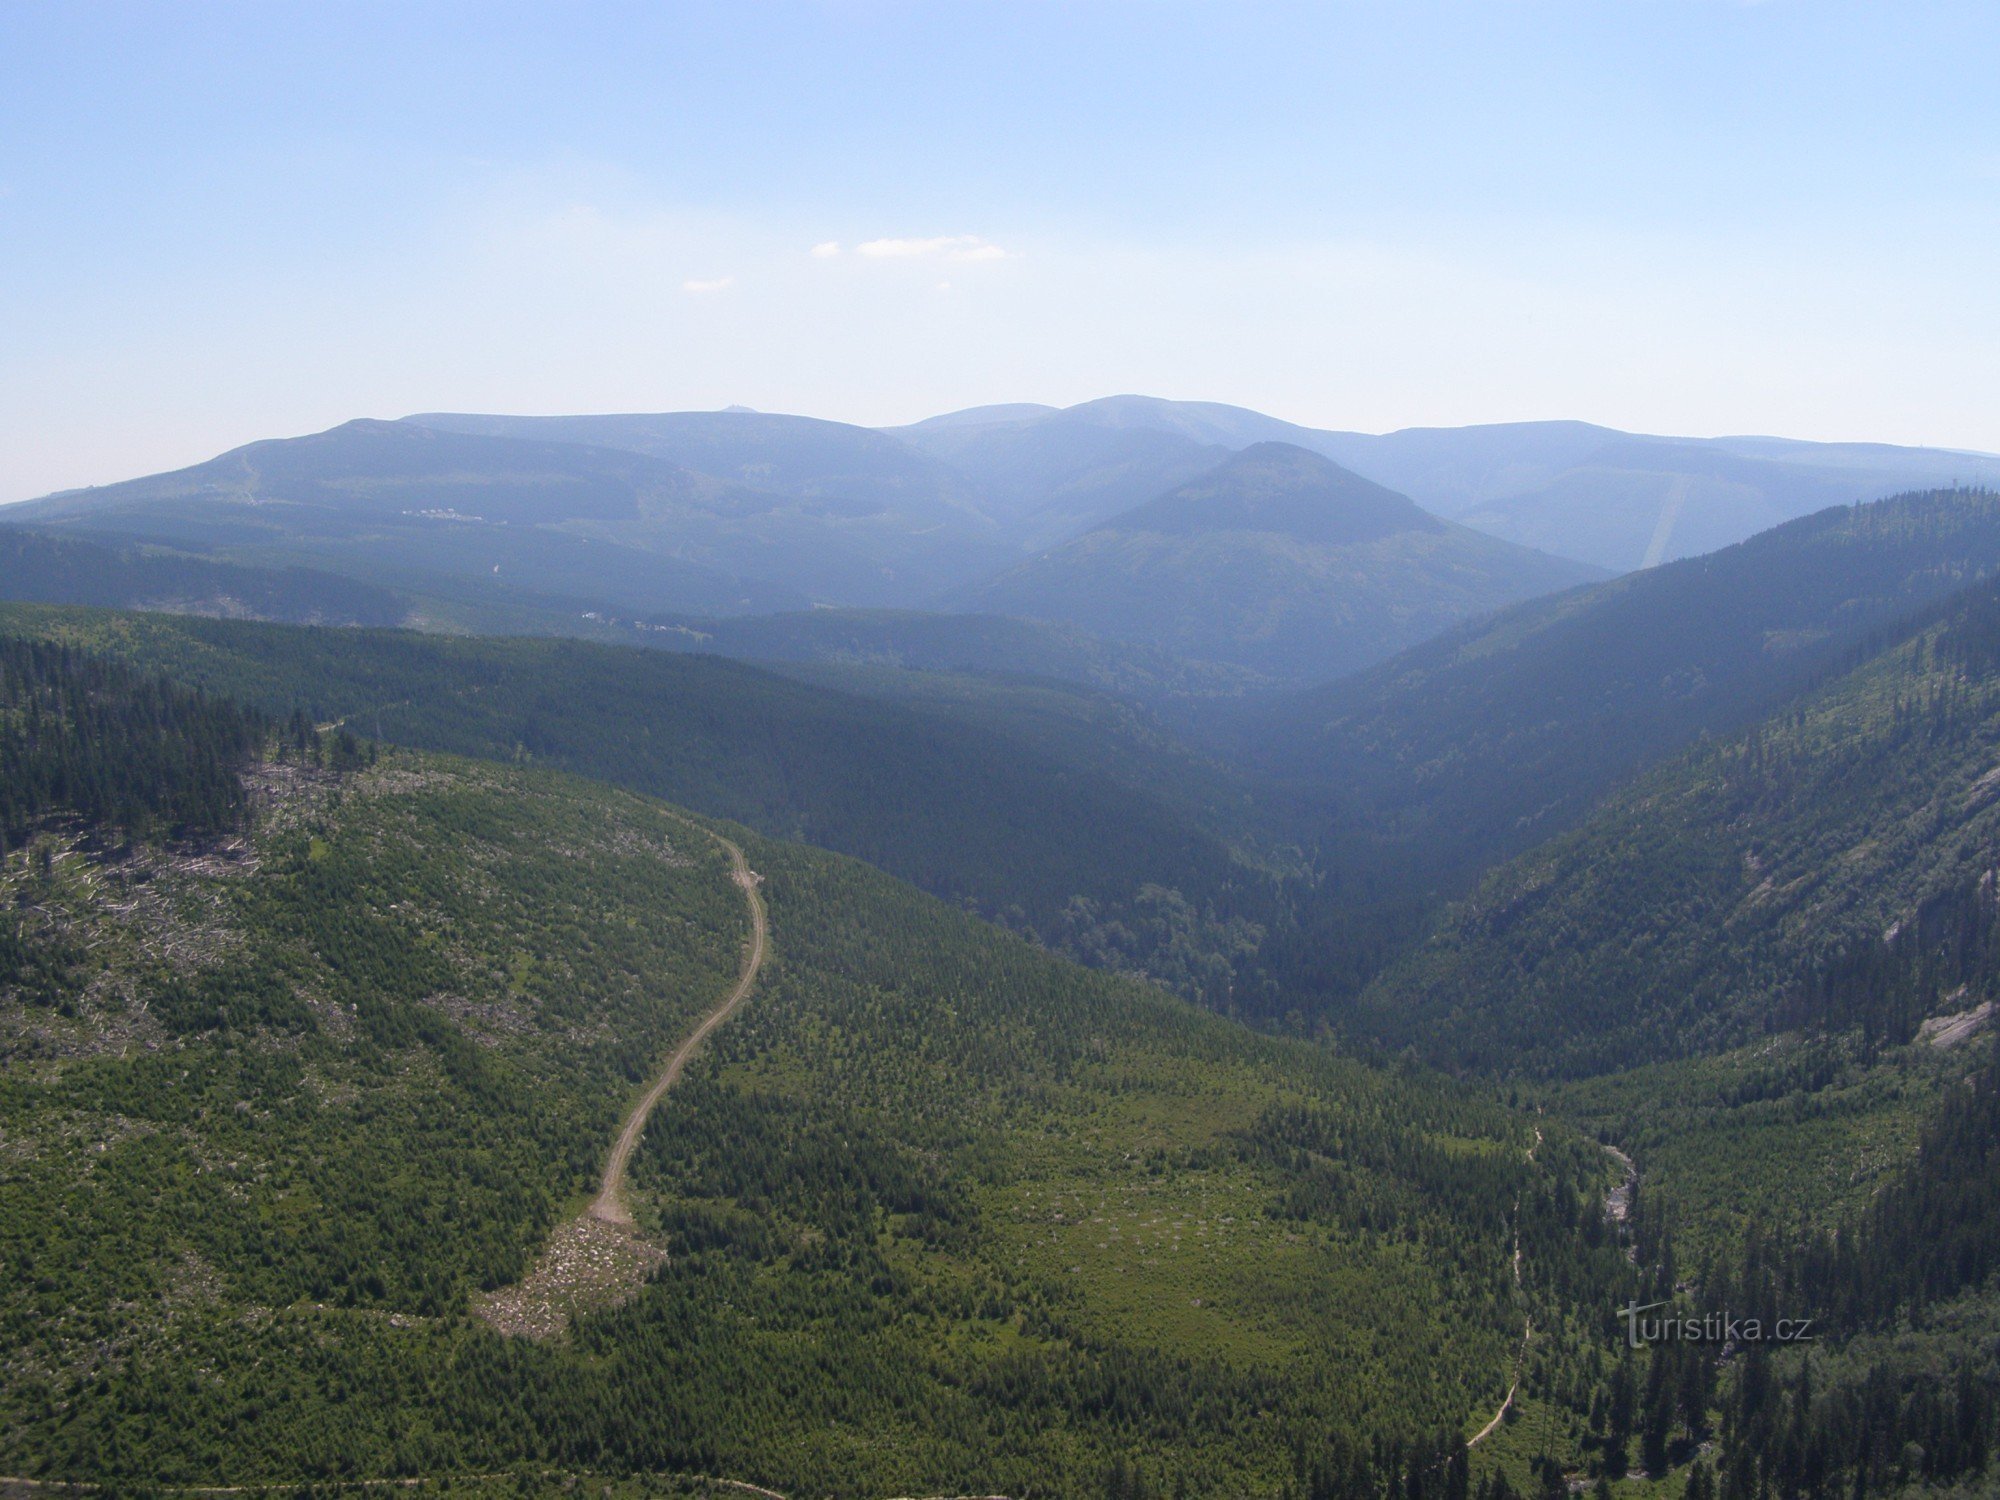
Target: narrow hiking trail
{"x":1618,"y":1202}
{"x":598,"y":1259}
{"x":1527,"y":1325}
{"x":1499,"y":1416}
{"x":1617,"y":1208}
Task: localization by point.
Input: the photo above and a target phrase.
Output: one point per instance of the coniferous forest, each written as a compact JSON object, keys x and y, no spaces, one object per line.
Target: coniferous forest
{"x":314,"y":1046}
{"x":660,"y":839}
{"x":115,"y":748}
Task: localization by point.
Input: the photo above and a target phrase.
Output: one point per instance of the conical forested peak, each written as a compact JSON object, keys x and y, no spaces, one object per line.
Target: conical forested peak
{"x":1283,"y":489}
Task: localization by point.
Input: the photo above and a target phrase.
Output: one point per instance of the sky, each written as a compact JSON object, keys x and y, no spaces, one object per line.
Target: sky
{"x":223,"y":222}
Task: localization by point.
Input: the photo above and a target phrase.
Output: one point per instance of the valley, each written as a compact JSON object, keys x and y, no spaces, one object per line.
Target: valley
{"x":1141,"y":1063}
{"x":911,"y":751}
{"x":963,"y":1149}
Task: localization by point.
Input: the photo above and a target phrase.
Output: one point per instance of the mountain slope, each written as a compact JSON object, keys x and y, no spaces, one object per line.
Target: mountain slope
{"x":46,"y":569}
{"x":1758,"y":882}
{"x":1637,"y":502}
{"x":577,"y":553}
{"x":1279,"y":561}
{"x":966,"y":644}
{"x":1049,"y":477}
{"x":401,"y":504}
{"x":414,"y":503}
{"x":942,"y":1213}
{"x":844,"y":514}
{"x":386,"y":469}
{"x":1080,"y":728}
{"x":850,"y":471}
{"x":1448,"y":470}
{"x":1032,"y":833}
{"x":1623,"y":501}
{"x":1477,"y":744}
{"x":709,"y":513}
{"x":1618,"y":500}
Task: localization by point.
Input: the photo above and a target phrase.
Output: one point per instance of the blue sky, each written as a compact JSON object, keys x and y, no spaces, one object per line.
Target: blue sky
{"x":220,"y":222}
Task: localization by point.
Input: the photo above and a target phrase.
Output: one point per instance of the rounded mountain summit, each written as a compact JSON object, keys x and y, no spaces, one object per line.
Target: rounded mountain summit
{"x":1278,"y":560}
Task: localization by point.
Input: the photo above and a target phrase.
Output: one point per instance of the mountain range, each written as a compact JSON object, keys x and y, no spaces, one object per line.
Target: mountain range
{"x":655,"y":529}
{"x":1157,"y":1074}
{"x":1614,"y":499}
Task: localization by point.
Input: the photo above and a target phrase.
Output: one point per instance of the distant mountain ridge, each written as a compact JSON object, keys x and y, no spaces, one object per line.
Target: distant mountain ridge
{"x":562,"y":518}
{"x":587,"y":524}
{"x":850,"y":470}
{"x":1278,"y":561}
{"x":1616,"y":499}
{"x":1048,"y":478}
{"x":394,"y":502}
{"x":572,"y":524}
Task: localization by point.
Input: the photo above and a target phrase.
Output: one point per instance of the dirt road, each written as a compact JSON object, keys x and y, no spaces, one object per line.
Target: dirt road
{"x":609,"y":1205}
{"x":1498,"y":1417}
{"x":599,"y":1259}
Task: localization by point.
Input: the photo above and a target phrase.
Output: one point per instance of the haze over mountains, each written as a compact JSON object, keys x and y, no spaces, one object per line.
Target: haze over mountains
{"x":1277,"y":560}
{"x":1618,"y":500}
{"x":1496,"y":734}
{"x":1695,"y":861}
{"x":1140,"y":529}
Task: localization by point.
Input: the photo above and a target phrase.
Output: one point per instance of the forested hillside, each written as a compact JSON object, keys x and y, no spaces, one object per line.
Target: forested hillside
{"x":1850,"y":1192}
{"x":945,"y":1213}
{"x":56,"y":567}
{"x":983,"y":644}
{"x":1499,"y":734}
{"x":1277,"y":561}
{"x":1798,"y":874}
{"x":47,"y":569}
{"x":1103,"y":948}
{"x":122,"y":752}
{"x":1078,"y":727}
{"x":1027,"y":829}
{"x":940,"y":1211}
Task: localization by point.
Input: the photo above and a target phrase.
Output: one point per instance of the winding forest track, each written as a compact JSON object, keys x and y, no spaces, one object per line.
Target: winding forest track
{"x":607,"y":1209}
{"x":609,"y":1205}
{"x":1498,"y":1417}
{"x":1617,"y":1208}
{"x":1527,"y":1325}
{"x":599,"y":1258}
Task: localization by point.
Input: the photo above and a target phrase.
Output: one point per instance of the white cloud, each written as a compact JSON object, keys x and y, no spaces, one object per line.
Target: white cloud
{"x":942,"y":246}
{"x":826,"y":250}
{"x":715,"y":284}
